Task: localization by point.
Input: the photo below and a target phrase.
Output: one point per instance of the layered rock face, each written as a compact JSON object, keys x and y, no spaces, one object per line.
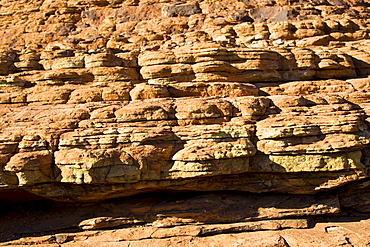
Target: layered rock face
{"x":253,"y":114}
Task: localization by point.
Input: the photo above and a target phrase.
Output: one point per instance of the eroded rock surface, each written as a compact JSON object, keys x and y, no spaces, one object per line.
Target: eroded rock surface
{"x":262,"y":107}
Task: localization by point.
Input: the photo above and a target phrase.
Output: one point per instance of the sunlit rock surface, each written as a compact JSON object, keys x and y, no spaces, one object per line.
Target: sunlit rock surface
{"x":208,"y":117}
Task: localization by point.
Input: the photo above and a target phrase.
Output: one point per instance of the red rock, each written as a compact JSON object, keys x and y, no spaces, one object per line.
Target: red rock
{"x":265,"y":103}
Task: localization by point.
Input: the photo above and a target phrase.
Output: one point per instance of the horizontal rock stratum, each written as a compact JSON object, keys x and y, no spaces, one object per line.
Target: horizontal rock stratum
{"x":187,"y":120}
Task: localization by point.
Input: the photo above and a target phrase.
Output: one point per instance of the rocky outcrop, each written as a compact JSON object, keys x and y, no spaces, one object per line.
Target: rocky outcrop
{"x":236,"y":116}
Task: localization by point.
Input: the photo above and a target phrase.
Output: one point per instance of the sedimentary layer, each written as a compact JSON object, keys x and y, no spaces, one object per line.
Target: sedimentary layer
{"x":258,"y":109}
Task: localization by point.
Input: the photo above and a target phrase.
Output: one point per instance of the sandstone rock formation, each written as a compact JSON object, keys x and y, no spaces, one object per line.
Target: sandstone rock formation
{"x":174,"y":122}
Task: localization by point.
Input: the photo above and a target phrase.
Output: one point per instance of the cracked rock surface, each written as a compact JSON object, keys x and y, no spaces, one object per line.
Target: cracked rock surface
{"x":189,"y":123}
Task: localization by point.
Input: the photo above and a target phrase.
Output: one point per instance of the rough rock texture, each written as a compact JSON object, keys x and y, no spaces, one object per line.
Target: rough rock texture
{"x":192,"y":121}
